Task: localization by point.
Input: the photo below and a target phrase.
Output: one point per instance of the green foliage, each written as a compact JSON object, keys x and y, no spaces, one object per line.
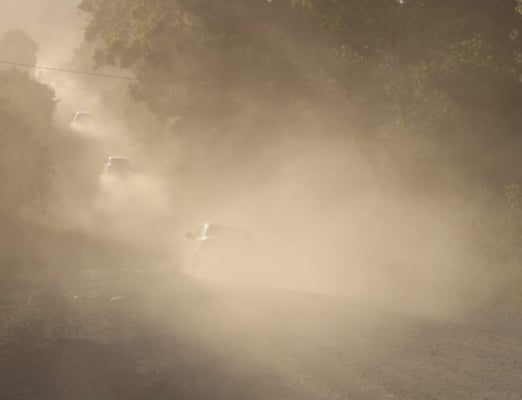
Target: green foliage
{"x":200,"y":58}
{"x":431,"y":82}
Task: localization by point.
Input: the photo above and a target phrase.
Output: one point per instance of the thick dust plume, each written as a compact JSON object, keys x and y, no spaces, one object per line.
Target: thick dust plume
{"x":324,"y":220}
{"x":322,"y":217}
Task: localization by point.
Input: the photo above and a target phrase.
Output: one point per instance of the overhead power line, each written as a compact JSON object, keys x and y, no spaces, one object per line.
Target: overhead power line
{"x":72,"y":71}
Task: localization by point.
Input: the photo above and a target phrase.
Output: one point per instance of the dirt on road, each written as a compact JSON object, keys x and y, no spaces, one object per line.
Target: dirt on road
{"x":127,"y":334}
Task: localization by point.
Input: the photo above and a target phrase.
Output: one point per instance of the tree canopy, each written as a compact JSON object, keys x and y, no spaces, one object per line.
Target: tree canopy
{"x":433,"y":81}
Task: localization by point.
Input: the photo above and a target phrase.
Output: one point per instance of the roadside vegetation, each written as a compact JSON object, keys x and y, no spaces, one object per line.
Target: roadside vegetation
{"x":26,"y":168}
{"x":378,"y":141}
{"x":427,"y":91}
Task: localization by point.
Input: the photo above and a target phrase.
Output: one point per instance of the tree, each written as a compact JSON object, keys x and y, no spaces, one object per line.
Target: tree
{"x":408,"y":75}
{"x":17,"y":46}
{"x":198,"y":58}
{"x":26,"y":111}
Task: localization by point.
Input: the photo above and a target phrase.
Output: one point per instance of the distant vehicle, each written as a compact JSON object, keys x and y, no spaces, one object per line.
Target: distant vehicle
{"x":82,"y":119}
{"x":40,"y":74}
{"x":220,"y":246}
{"x":117,"y":166}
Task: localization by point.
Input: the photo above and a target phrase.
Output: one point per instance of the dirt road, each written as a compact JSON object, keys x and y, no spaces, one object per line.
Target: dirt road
{"x":129,"y":335}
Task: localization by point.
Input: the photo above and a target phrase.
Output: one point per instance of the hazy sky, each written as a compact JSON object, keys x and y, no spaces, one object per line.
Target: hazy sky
{"x":55,"y":24}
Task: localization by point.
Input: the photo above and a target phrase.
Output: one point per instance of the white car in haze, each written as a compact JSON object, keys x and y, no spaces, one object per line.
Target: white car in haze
{"x":82,"y":120}
{"x":218,"y":246}
{"x":117,"y":166}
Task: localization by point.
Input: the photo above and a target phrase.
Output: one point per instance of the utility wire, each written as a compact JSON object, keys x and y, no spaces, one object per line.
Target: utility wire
{"x":72,"y":71}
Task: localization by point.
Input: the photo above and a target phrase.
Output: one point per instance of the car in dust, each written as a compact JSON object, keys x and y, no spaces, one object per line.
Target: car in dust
{"x":218,"y":246}
{"x":117,"y":166}
{"x":41,"y":74}
{"x":82,"y":120}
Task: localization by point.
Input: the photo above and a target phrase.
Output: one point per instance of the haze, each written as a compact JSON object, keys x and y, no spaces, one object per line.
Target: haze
{"x":358,"y":164}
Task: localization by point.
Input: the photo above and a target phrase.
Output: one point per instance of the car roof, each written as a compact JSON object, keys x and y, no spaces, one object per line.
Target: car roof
{"x":118,"y":158}
{"x":223,"y":228}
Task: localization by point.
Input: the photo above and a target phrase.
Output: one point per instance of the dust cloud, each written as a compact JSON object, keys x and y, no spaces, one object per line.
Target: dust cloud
{"x":323,"y":251}
{"x":324,"y":221}
{"x":323,"y":218}
{"x":55,"y":24}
